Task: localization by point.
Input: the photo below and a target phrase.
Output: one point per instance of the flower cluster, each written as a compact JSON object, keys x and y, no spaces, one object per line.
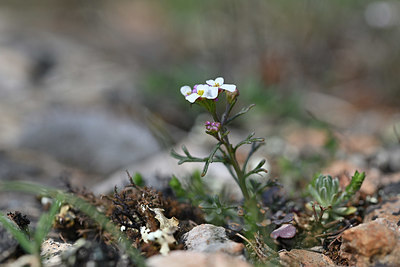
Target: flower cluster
{"x":212,"y":127}
{"x":210,"y":90}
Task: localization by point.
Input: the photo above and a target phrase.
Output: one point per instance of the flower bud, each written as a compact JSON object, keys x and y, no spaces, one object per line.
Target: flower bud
{"x":231,"y":96}
{"x":212,"y":127}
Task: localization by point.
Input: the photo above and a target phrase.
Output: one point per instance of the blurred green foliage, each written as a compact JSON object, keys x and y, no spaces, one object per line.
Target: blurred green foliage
{"x":198,"y":192}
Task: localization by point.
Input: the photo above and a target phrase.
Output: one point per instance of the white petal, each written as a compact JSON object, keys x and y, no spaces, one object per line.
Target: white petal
{"x":185,"y":90}
{"x":219,"y":80}
{"x":202,"y":87}
{"x":211,"y":93}
{"x":192,"y":97}
{"x":210,"y":82}
{"x":229,"y":87}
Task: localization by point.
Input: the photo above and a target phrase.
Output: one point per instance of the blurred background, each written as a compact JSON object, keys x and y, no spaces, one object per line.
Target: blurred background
{"x":90,"y":88}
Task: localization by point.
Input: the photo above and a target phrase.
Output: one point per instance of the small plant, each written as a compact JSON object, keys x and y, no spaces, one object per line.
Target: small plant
{"x":251,"y":214}
{"x":207,"y":95}
{"x":329,"y":200}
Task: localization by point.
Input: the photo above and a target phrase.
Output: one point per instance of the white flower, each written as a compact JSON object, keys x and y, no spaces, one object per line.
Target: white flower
{"x":186,"y":90}
{"x":219,"y":83}
{"x":200,"y":91}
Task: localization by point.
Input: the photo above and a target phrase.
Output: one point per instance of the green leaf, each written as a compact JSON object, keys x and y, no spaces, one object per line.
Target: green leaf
{"x":137,"y":179}
{"x":335,"y":188}
{"x":190,"y":158}
{"x":355,"y":184}
{"x":254,"y":148}
{"x":46,"y":222}
{"x":243,"y":111}
{"x":185,"y":150}
{"x":249,"y":140}
{"x":176,"y":186}
{"x":210,"y":158}
{"x":344,"y":211}
{"x":324,"y":197}
{"x":315,"y":178}
{"x":315,"y":194}
{"x":18,"y":234}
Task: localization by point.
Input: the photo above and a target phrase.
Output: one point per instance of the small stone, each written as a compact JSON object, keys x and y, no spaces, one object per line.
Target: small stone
{"x":182,"y":258}
{"x":52,"y":250}
{"x":369,"y":239}
{"x":285,"y":231}
{"x":305,"y":258}
{"x":370,"y":243}
{"x":211,"y":238}
{"x":287,"y":219}
{"x":389,"y":210}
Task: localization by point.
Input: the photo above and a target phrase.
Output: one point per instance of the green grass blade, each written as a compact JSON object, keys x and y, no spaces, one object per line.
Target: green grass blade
{"x":82,"y":205}
{"x":46,"y":222}
{"x":18,"y":234}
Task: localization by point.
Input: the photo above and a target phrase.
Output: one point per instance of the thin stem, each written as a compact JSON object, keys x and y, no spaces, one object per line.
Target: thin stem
{"x":239,"y":173}
{"x":241,"y":178}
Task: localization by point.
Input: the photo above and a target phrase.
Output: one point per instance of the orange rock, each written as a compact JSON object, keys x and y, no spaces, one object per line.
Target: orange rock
{"x":389,"y":210}
{"x":369,"y":243}
{"x":305,"y":258}
{"x":184,"y":258}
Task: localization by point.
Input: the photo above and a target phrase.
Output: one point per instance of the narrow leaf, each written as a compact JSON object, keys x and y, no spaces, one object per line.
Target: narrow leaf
{"x":46,"y":222}
{"x":185,"y":150}
{"x":355,"y":184}
{"x":243,"y":111}
{"x":19,"y":235}
{"x":210,"y":159}
{"x":254,"y":148}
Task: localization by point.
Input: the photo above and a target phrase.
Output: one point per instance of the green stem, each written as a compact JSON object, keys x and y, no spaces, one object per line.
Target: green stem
{"x":239,"y":172}
{"x":241,"y":179}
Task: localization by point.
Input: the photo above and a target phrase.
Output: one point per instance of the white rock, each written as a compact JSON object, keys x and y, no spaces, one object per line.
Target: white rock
{"x":211,"y":238}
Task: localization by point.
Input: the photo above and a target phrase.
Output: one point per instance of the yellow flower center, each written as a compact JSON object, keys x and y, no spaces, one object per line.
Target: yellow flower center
{"x":200,"y":92}
{"x":217,"y":85}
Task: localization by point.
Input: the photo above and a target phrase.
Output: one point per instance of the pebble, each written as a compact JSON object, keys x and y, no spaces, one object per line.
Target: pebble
{"x":305,"y":258}
{"x":52,"y":250}
{"x":182,"y":258}
{"x":371,"y":244}
{"x":389,"y":210}
{"x":211,"y":238}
